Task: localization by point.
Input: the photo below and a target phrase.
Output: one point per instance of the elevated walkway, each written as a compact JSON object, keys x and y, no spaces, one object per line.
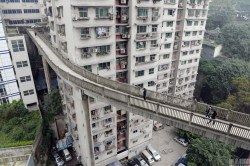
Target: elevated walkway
{"x":230,"y":127}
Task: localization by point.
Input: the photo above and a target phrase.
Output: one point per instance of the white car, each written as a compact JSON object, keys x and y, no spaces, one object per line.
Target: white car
{"x":154,"y":153}
{"x":181,"y":141}
{"x":58,"y":159}
{"x":140,"y":161}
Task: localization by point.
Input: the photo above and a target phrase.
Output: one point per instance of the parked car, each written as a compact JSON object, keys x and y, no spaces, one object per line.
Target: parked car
{"x":147,"y":157}
{"x":158,"y":126}
{"x":182,"y":161}
{"x":58,"y":159}
{"x":181,"y":141}
{"x":67,"y":155}
{"x":131,"y":162}
{"x":141,"y":161}
{"x":154,"y":153}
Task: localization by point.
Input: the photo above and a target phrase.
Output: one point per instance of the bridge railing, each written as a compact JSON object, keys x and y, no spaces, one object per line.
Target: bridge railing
{"x":191,"y":105}
{"x":154,"y":107}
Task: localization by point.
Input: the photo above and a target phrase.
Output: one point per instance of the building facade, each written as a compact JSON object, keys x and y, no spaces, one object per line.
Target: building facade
{"x":22,"y":12}
{"x":153,"y":44}
{"x":16,"y":76}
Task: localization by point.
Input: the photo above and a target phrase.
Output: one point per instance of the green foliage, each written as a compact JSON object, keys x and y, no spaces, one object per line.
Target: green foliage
{"x":188,"y":135}
{"x":220,"y":18}
{"x":236,"y":41}
{"x":208,"y":152}
{"x":52,"y":105}
{"x":16,"y":144}
{"x":17,"y":124}
{"x":239,"y":99}
{"x":217,"y":76}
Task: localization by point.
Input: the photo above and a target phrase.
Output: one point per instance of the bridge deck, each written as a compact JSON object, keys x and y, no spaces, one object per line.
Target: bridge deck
{"x":157,"y":104}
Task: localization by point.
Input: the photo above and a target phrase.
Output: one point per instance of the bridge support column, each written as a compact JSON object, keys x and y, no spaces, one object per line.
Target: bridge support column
{"x":47,"y":74}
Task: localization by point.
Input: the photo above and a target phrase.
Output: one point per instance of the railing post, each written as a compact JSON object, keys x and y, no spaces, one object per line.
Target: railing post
{"x":229,"y":128}
{"x":158,"y":108}
{"x":228,"y":114}
{"x":191,"y":118}
{"x":103,"y":89}
{"x":128,"y":100}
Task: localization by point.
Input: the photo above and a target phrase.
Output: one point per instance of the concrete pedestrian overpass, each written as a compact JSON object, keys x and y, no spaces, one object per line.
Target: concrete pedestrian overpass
{"x":231,"y":127}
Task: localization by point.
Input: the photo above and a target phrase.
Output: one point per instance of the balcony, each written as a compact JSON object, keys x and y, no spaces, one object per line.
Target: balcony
{"x":122,"y":19}
{"x":102,"y":53}
{"x":122,"y":79}
{"x":121,"y":117}
{"x":155,"y":18}
{"x":109,"y":147}
{"x":121,"y":64}
{"x":121,"y":135}
{"x":140,"y":36}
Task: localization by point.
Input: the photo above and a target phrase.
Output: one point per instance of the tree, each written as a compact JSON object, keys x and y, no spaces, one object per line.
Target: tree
{"x":236,"y":40}
{"x":239,"y":99}
{"x":220,"y":18}
{"x":208,"y":152}
{"x":52,"y":105}
{"x":216,"y":76}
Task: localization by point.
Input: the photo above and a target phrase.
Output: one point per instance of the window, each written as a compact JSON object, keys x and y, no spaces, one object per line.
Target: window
{"x":154,"y":28}
{"x":17,"y":45}
{"x":196,"y":60}
{"x":142,"y":12}
{"x":191,"y":52}
{"x":171,"y":12}
{"x":28,"y":92}
{"x":83,"y":12}
{"x":170,"y":24}
{"x":163,"y":67}
{"x":151,"y":83}
{"x":141,"y":45}
{"x":88,"y":67}
{"x":12,"y":11}
{"x":200,"y":32}
{"x":187,"y":33}
{"x":168,"y":35}
{"x":135,"y":141}
{"x":152,"y":57}
{"x":166,"y":56}
{"x":196,"y":23}
{"x":105,"y":49}
{"x":141,"y":29}
{"x":93,"y":125}
{"x":190,"y":61}
{"x":197,"y":51}
{"x":151,"y":71}
{"x":183,"y":62}
{"x":2,"y":90}
{"x":194,"y":33}
{"x":10,"y":1}
{"x":31,"y":1}
{"x":31,"y":10}
{"x":135,"y":131}
{"x":153,"y":43}
{"x":84,"y":32}
{"x":25,"y":78}
{"x":167,"y":45}
{"x":101,"y":12}
{"x":139,"y":73}
{"x":102,"y":32}
{"x":105,"y":65}
{"x":202,"y":22}
{"x":184,"y":53}
{"x":21,"y":64}
{"x":139,"y":85}
{"x":155,"y":12}
{"x":189,"y":23}
{"x":140,"y":59}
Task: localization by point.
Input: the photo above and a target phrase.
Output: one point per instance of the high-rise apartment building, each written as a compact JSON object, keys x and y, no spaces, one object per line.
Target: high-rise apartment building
{"x":16,"y":78}
{"x":22,"y":12}
{"x":154,"y":44}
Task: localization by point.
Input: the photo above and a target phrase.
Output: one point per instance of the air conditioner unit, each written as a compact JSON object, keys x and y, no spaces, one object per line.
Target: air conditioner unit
{"x":124,"y":17}
{"x":124,"y":36}
{"x":123,"y":2}
{"x":111,"y":16}
{"x":75,"y":18}
{"x":95,"y":50}
{"x":122,"y":51}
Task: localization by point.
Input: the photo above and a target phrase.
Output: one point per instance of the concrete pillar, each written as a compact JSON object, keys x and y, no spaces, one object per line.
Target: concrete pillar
{"x":47,"y":74}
